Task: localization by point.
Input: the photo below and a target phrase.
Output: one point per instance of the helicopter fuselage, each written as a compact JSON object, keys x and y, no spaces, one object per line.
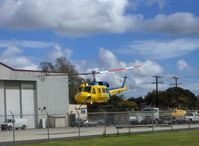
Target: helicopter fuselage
{"x":93,"y":93}
{"x":98,"y":92}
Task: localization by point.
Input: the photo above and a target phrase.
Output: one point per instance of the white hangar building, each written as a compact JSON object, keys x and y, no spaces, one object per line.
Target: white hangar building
{"x":23,"y":92}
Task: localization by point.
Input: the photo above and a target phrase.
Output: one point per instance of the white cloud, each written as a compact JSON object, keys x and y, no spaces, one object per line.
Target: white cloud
{"x":113,"y":62}
{"x":162,"y":49}
{"x":137,"y":77}
{"x":25,"y":44}
{"x":184,"y":23}
{"x":73,"y":18}
{"x":160,"y":3}
{"x":191,"y":85}
{"x":182,"y":65}
{"x":79,"y":18}
{"x":14,"y":52}
{"x":11,"y":51}
{"x":12,"y":57}
{"x":151,"y":69}
{"x":148,"y":3}
{"x":58,"y":52}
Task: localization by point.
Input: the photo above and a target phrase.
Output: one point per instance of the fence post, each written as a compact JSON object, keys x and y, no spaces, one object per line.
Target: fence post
{"x":153,"y":112}
{"x":129,"y":122}
{"x":172,"y":123}
{"x":13,"y":126}
{"x":128,"y":117}
{"x":78,"y":117}
{"x":189,"y":124}
{"x":104,"y":123}
{"x":48,"y":131}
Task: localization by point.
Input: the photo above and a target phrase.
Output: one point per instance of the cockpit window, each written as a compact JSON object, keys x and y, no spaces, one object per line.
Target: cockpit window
{"x":99,"y":90}
{"x":104,"y":90}
{"x":80,"y":89}
{"x":93,"y":91}
{"x":87,"y":89}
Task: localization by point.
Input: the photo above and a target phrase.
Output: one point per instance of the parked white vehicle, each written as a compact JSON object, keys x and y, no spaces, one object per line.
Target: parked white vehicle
{"x":147,"y":115}
{"x":192,"y":116}
{"x":151,"y":113}
{"x":136,"y":118}
{"x":18,"y":123}
{"x":88,"y":123}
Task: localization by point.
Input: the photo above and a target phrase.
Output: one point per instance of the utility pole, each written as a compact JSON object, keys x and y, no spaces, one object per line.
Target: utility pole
{"x":156,"y":83}
{"x":176,"y":85}
{"x":176,"y":81}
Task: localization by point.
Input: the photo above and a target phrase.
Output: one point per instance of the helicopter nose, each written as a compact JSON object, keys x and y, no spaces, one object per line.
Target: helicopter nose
{"x":82,"y":97}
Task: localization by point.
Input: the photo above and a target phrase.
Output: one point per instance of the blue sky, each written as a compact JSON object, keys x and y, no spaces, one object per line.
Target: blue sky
{"x":106,"y":34}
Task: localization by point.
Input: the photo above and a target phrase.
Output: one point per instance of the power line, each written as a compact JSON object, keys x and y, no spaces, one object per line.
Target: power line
{"x":190,"y":76}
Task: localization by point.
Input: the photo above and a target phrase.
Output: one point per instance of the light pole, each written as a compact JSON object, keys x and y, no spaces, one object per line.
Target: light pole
{"x":44,"y":109}
{"x":78,"y":117}
{"x":13,"y":125}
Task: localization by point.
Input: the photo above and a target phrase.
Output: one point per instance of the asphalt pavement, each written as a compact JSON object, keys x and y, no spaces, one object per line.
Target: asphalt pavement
{"x":29,"y":135}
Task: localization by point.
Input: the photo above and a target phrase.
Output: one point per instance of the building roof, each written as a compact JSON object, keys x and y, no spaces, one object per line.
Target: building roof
{"x":25,"y":70}
{"x":13,"y":69}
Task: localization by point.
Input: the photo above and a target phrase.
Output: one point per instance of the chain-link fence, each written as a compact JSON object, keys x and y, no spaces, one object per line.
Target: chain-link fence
{"x":51,"y":126}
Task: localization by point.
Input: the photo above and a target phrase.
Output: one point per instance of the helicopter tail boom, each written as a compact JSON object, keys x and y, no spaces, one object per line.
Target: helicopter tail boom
{"x":114,"y":91}
{"x":117,"y":90}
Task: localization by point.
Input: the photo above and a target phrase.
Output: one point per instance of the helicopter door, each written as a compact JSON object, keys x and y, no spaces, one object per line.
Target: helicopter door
{"x":93,"y":90}
{"x":100,"y":92}
{"x":105,"y":93}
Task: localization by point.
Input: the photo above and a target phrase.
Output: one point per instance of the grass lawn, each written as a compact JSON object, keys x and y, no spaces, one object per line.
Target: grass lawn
{"x":182,"y":138}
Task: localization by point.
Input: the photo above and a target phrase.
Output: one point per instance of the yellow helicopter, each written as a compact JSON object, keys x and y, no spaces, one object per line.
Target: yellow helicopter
{"x":99,"y":91}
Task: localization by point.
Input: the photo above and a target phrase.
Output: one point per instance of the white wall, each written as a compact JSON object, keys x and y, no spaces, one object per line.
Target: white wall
{"x":1,"y":101}
{"x":51,"y":92}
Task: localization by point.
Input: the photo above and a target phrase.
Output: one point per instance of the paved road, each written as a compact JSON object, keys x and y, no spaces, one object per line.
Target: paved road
{"x":41,"y":134}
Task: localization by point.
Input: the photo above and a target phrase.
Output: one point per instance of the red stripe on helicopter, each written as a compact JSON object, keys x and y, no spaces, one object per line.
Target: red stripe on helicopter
{"x":118,"y":69}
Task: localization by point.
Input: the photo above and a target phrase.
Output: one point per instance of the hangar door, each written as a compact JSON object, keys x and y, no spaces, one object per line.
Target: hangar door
{"x":20,"y":96}
{"x":12,"y":99}
{"x":28,"y":96}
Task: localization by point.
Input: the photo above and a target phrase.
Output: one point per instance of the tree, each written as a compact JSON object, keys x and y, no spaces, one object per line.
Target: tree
{"x":186,"y":98}
{"x":172,"y":98}
{"x":139,"y":101}
{"x":47,"y":66}
{"x":64,"y":66}
{"x":150,"y":98}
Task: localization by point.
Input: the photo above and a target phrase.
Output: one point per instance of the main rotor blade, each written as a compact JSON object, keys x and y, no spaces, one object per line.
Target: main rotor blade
{"x":122,"y":69}
{"x":112,"y":70}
